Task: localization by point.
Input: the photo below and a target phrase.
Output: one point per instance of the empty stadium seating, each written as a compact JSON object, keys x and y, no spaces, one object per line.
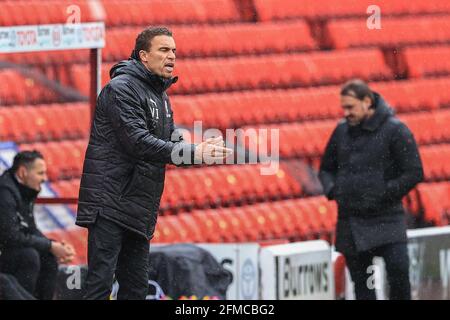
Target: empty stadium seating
{"x":309,"y":139}
{"x":436,"y":162}
{"x":429,"y":127}
{"x":435,"y":201}
{"x":220,"y":40}
{"x":427,"y":61}
{"x":44,"y":123}
{"x":286,"y":9}
{"x":416,"y":94}
{"x":299,"y":219}
{"x":67,"y":188}
{"x":295,"y":140}
{"x":140,"y":12}
{"x":224,"y":185}
{"x":19,"y":89}
{"x":205,"y":75}
{"x":283,"y":70}
{"x":235,"y":109}
{"x":32,"y":12}
{"x":115,"y":13}
{"x":395,"y":32}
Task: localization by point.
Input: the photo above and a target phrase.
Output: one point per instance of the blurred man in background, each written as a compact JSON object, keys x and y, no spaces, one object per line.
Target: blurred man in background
{"x":132,"y":139}
{"x":370,"y":163}
{"x":25,"y":252}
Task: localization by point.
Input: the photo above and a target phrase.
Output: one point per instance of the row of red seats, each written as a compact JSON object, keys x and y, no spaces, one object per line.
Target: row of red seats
{"x":288,"y":9}
{"x":211,"y":186}
{"x":220,"y":40}
{"x":309,"y":139}
{"x":118,"y":13}
{"x":227,"y":184}
{"x":299,"y":219}
{"x":436,"y":163}
{"x":45,"y":122}
{"x":144,"y":12}
{"x":64,"y":159}
{"x":416,"y":94}
{"x":435,"y":202}
{"x":75,"y":236}
{"x":43,"y":12}
{"x":286,"y":70}
{"x":429,"y":127}
{"x":192,"y":41}
{"x":428,"y":61}
{"x":395,"y":32}
{"x":66,"y":188}
{"x":294,"y":139}
{"x":235,"y":109}
{"x":19,"y":89}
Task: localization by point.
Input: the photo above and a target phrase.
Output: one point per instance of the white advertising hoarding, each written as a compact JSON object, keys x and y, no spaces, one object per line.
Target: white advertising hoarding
{"x":52,"y":37}
{"x":297,"y":271}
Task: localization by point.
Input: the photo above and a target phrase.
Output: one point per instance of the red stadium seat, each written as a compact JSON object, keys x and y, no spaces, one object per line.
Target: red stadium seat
{"x":427,"y":61}
{"x":435,"y":161}
{"x":19,"y":89}
{"x":31,"y":12}
{"x":434,"y":198}
{"x":177,"y":12}
{"x":46,"y":122}
{"x":287,"y":9}
{"x":395,"y":32}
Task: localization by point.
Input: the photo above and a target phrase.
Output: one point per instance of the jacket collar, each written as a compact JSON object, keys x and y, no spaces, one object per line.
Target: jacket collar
{"x":382,"y":112}
{"x":26,"y":192}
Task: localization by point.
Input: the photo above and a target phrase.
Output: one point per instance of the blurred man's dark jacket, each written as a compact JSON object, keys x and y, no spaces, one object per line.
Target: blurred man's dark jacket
{"x":368,"y":169}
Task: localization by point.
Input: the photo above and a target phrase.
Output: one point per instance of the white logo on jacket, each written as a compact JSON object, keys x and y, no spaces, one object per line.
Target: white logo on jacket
{"x":168,"y":115}
{"x":154,"y":110}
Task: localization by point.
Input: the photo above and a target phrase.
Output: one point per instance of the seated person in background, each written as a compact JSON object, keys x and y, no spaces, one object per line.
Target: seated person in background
{"x":25,"y":252}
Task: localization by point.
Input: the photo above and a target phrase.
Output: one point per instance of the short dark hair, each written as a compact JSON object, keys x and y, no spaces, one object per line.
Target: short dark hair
{"x":358,"y":89}
{"x":143,"y":40}
{"x":25,"y":158}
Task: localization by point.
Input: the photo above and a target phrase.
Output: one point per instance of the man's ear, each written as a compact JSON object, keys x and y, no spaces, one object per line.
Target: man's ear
{"x":143,"y":55}
{"x":367,"y":103}
{"x":21,"y":172}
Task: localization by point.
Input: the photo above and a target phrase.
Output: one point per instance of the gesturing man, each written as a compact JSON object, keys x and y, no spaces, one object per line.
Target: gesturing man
{"x":132,"y":139}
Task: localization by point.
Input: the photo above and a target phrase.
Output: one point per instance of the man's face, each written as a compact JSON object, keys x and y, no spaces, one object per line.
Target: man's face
{"x":355,"y":110}
{"x":160,"y":59}
{"x":34,"y":175}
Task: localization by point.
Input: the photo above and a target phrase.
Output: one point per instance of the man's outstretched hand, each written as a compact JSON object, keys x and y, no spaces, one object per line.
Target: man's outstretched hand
{"x":212,"y":151}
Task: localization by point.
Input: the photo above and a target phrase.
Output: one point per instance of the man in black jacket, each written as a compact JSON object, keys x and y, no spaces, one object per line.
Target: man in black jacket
{"x":370,"y":163}
{"x":26,"y":253}
{"x":132,"y":139}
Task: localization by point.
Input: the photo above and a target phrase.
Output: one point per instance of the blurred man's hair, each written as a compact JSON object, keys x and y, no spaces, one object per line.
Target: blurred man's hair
{"x":143,"y":40}
{"x":358,"y":89}
{"x":25,"y":158}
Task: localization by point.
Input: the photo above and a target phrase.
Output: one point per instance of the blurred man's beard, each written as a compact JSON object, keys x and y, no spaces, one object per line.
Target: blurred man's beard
{"x":352,"y":122}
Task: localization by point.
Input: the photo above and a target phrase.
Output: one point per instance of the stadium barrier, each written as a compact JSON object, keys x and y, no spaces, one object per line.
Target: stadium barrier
{"x":429,"y":270}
